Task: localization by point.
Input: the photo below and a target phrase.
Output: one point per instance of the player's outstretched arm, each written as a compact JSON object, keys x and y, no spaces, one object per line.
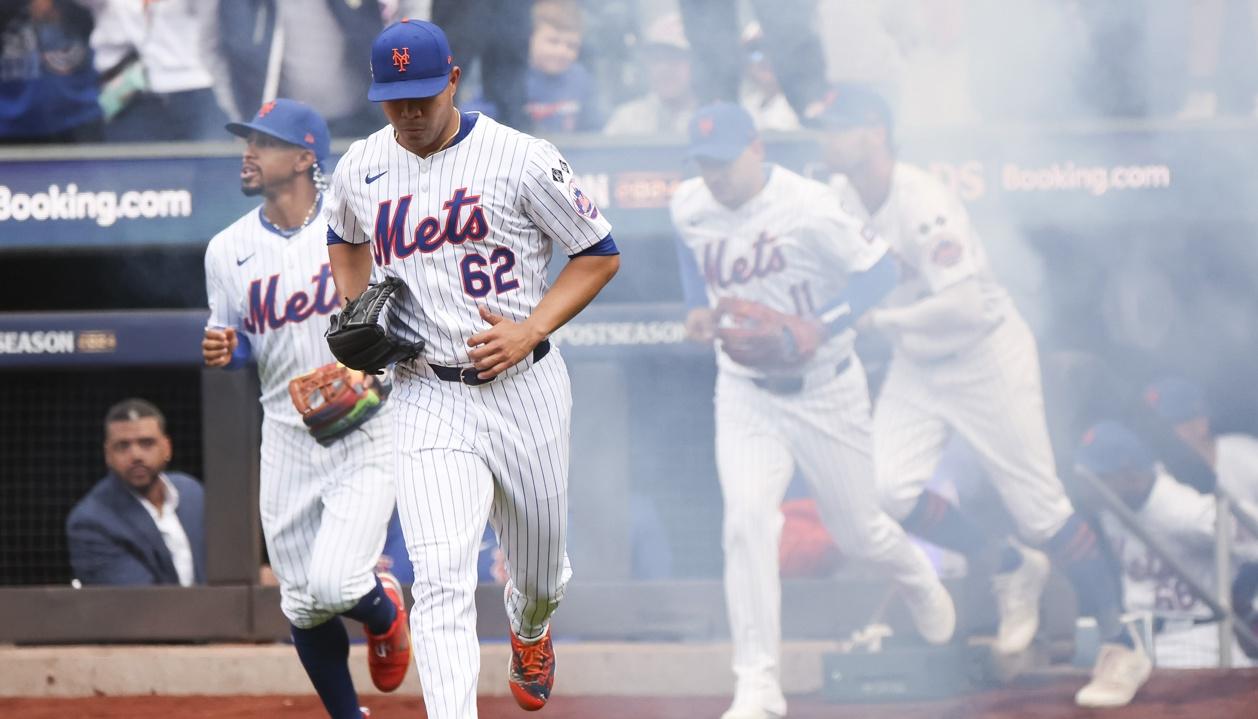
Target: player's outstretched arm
{"x":506,"y":342}
{"x":947,"y":309}
{"x":351,"y":268}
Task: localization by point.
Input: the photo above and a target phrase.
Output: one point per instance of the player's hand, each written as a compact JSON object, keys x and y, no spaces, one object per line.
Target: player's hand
{"x":701,"y":325}
{"x":218,"y":345}
{"x":502,"y":345}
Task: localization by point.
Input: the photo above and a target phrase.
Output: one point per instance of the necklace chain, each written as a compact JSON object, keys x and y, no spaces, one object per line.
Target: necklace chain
{"x":290,"y":231}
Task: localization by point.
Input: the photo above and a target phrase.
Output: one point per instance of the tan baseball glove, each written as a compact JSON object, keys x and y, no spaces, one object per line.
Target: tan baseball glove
{"x":758,"y":336}
{"x":333,"y":400}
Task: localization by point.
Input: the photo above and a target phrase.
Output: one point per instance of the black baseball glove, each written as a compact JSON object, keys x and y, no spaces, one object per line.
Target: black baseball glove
{"x":359,"y":342}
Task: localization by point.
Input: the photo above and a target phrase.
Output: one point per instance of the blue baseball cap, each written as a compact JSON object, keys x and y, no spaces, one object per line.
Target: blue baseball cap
{"x":1175,"y":399}
{"x":720,"y":131}
{"x":1108,"y":447}
{"x":849,"y":105}
{"x":293,"y":122}
{"x":410,"y":59}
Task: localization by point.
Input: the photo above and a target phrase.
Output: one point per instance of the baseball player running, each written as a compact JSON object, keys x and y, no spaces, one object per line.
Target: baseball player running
{"x":326,"y":486}
{"x":964,"y":360}
{"x":1184,"y":519}
{"x":464,"y":213}
{"x":776,"y":272}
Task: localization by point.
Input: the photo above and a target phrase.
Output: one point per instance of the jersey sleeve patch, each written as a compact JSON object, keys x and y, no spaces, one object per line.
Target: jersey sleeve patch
{"x":947,"y":252}
{"x":581,"y":201}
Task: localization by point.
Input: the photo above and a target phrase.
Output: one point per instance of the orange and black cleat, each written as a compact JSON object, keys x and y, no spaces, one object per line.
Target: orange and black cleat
{"x":531,"y":673}
{"x":389,"y":654}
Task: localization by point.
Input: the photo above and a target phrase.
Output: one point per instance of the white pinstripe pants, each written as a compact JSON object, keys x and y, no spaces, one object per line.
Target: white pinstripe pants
{"x":464,"y":455}
{"x":325,"y":512}
{"x":991,"y":395}
{"x":760,"y":436}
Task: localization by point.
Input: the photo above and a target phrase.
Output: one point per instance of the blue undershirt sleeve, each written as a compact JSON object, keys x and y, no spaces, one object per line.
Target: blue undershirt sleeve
{"x":603,"y":248}
{"x":692,"y":286}
{"x":863,"y":291}
{"x":243,"y":352}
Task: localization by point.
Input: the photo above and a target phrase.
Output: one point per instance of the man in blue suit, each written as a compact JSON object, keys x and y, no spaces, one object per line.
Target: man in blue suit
{"x":140,"y":524}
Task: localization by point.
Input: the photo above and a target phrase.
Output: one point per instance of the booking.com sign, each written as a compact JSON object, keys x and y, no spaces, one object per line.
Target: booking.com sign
{"x":105,"y":207}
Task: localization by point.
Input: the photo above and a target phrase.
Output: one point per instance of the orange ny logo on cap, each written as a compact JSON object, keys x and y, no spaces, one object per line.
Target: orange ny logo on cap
{"x":401,"y":58}
{"x":706,"y":125}
{"x":309,"y":138}
{"x":266,"y":109}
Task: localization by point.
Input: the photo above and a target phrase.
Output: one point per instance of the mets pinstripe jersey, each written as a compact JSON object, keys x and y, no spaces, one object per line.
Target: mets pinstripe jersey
{"x":979,"y":375}
{"x":277,"y":292}
{"x":472,"y":224}
{"x":929,"y":231}
{"x":324,"y":510}
{"x":1184,"y":520}
{"x":790,"y":247}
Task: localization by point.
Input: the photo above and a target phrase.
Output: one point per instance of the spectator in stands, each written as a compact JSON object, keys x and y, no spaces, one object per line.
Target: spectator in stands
{"x":154,"y":83}
{"x":140,"y":524}
{"x":669,"y":102}
{"x":560,"y":93}
{"x":1233,"y":457}
{"x":47,"y":82}
{"x":1208,"y":21}
{"x":495,"y":34}
{"x":762,"y":93}
{"x":315,"y":51}
{"x":1183,"y":519}
{"x":791,"y":43}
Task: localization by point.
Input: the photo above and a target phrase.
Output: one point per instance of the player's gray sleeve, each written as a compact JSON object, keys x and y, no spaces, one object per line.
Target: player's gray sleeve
{"x":551,"y":198}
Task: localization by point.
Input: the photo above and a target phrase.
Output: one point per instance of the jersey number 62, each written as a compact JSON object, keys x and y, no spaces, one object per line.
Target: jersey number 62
{"x":477,"y":281}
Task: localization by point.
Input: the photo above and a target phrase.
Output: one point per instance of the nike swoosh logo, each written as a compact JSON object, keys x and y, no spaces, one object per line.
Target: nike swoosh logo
{"x":240,"y":262}
{"x":373,"y":178}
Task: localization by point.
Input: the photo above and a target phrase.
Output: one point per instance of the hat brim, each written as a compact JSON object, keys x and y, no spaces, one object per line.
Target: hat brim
{"x":242,"y":129}
{"x":417,"y":89}
{"x":716,"y":152}
{"x":839,"y":123}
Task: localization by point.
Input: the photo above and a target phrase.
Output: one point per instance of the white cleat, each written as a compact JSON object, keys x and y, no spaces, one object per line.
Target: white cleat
{"x":1118,"y":675}
{"x":1018,"y":602}
{"x":933,"y":612}
{"x":749,"y":712}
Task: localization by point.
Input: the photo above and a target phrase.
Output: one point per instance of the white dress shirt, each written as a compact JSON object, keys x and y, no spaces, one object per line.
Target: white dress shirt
{"x":172,"y":532}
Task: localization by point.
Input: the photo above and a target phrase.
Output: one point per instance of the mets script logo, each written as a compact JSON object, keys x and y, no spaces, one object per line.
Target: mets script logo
{"x":464,"y":220}
{"x":268,"y":309}
{"x":401,"y":58}
{"x":722,"y":271}
{"x":581,"y":201}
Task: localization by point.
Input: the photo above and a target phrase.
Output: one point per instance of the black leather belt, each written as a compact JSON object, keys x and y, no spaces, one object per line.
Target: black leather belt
{"x":467,"y":375}
{"x":793,"y":384}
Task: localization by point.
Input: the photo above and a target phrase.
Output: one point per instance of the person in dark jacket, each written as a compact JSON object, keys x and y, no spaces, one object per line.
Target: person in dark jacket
{"x":140,"y":524}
